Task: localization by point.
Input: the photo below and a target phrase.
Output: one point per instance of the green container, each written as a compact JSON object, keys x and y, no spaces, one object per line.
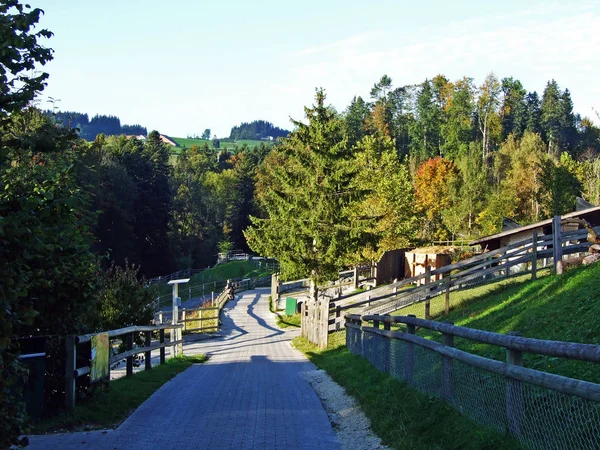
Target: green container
{"x":290,"y":306}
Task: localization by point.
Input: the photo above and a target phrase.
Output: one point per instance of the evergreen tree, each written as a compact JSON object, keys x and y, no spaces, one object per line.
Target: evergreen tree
{"x":307,"y":196}
{"x":355,"y":117}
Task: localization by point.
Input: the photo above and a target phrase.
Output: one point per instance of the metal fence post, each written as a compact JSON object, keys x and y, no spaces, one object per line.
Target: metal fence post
{"x":71,"y":349}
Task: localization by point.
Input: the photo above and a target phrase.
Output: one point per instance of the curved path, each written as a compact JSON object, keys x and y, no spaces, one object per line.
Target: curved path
{"x":248,"y":395}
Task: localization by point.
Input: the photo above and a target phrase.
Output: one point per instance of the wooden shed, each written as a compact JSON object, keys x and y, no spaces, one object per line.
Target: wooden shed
{"x":418,"y":259}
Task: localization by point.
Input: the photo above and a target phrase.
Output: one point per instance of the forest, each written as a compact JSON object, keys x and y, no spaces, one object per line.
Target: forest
{"x":257,"y":129}
{"x":84,"y":218}
{"x":99,"y":124}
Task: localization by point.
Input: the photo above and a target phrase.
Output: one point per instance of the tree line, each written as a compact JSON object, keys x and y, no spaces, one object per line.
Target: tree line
{"x":99,"y":124}
{"x":257,"y":129}
{"x":419,"y":163}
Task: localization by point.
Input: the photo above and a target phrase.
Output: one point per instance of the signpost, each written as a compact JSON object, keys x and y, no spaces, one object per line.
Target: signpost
{"x":176,"y":333}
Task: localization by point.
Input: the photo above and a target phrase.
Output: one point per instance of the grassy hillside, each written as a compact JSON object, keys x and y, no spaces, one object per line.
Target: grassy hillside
{"x":222,"y":272}
{"x":187,"y":142}
{"x":562,"y":308}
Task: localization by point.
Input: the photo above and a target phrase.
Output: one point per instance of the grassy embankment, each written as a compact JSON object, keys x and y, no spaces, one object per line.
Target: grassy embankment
{"x":220,"y":273}
{"x":558,"y":308}
{"x":283,"y":320}
{"x":224,"y":143}
{"x":111,"y":406}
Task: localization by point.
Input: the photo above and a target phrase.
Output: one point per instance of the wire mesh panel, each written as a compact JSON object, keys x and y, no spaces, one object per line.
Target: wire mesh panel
{"x":538,"y":417}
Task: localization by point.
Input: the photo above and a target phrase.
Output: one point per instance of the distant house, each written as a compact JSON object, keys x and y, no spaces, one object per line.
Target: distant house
{"x":167,"y":140}
{"x":139,"y":137}
{"x":513,"y":232}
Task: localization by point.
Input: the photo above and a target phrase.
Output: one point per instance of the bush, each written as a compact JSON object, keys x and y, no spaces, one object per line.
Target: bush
{"x":124,"y":300}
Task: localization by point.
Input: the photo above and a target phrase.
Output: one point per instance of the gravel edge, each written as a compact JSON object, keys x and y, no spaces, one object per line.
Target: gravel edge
{"x":350,"y":424}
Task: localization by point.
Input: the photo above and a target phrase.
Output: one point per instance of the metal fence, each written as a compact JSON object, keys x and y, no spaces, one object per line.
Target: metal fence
{"x":541,"y":410}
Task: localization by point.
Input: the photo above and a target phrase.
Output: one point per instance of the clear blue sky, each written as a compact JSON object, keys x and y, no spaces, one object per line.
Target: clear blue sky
{"x":183,"y":66}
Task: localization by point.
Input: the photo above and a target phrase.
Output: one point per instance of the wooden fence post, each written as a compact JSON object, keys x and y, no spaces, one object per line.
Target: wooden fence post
{"x":148,"y":354}
{"x":161,"y":339}
{"x":448,"y":340}
{"x":447,"y":304}
{"x":534,"y":239}
{"x":427,"y":292}
{"x":183,"y":318}
{"x":514,"y":395}
{"x":71,"y":349}
{"x":557,"y":245}
{"x":410,"y":354}
{"x":376,"y":322}
{"x":356,"y":278}
{"x":129,"y":346}
{"x":338,"y":315}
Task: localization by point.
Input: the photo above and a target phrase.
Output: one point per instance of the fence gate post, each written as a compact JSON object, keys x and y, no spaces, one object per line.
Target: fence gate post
{"x":148,"y":354}
{"x":70,"y":346}
{"x":514,"y":395}
{"x":534,"y":239}
{"x":557,"y":245}
{"x":129,"y":346}
{"x":448,"y":340}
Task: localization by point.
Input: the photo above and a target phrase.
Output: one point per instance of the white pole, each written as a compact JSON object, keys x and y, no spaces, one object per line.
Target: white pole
{"x":174,"y":332}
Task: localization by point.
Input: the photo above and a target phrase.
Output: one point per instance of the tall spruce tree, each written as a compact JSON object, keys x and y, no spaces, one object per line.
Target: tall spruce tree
{"x":306,"y":192}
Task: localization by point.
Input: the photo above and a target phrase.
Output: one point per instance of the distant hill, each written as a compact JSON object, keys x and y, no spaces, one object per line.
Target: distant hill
{"x":258,"y":129}
{"x":89,"y":129}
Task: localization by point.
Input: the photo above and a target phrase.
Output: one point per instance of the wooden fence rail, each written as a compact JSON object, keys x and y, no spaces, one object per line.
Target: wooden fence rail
{"x":523,"y":408}
{"x":73,"y":372}
{"x":518,"y":257}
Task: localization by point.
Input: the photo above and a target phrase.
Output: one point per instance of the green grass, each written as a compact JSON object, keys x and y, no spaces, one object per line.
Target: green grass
{"x":225,"y":144}
{"x":222,"y":272}
{"x":283,"y":320}
{"x":562,"y":308}
{"x":110,"y":406}
{"x":402,"y":417}
{"x":458,"y":298}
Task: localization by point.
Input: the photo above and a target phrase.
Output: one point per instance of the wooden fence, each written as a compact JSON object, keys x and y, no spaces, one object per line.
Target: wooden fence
{"x":127,"y":335}
{"x":523,"y":410}
{"x":519,"y":257}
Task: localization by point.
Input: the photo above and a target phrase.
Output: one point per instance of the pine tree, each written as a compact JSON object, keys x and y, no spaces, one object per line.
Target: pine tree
{"x":305,"y":191}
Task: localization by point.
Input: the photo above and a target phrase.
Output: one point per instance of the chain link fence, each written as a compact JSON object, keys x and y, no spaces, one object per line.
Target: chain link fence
{"x":538,"y":417}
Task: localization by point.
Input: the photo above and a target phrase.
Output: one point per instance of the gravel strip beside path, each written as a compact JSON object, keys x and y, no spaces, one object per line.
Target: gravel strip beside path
{"x":352,"y":427}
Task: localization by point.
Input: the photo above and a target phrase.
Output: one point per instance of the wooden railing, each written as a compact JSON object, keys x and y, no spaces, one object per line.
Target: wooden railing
{"x":72,"y":341}
{"x":443,"y":379}
{"x":519,"y":257}
{"x":493,"y":265}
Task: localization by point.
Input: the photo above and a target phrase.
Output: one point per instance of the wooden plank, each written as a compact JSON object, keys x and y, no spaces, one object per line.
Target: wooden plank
{"x":569,"y":386}
{"x":571,"y":350}
{"x":134,"y":329}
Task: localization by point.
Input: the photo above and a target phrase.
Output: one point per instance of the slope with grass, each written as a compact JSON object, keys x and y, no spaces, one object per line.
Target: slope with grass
{"x":402,"y":417}
{"x":224,"y":143}
{"x":220,"y":273}
{"x":560,"y":308}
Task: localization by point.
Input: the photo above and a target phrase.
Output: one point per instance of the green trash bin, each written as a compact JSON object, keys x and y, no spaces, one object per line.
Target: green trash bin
{"x":290,"y":306}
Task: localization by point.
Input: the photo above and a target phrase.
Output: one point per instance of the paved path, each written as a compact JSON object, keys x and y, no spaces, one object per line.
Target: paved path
{"x":248,"y":395}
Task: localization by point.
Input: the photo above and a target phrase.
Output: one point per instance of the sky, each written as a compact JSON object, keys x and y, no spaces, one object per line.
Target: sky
{"x":183,"y":66}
